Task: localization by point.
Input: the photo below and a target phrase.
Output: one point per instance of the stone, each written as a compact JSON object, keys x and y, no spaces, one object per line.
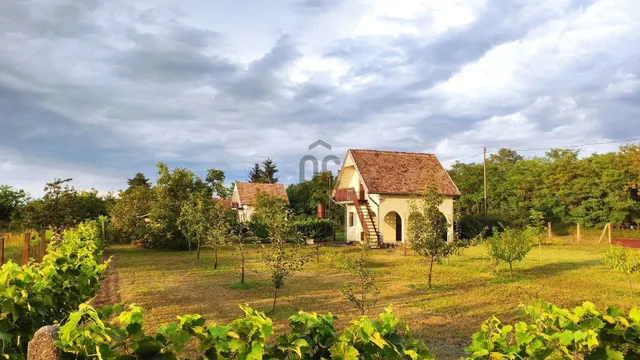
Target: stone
{"x":42,"y":346}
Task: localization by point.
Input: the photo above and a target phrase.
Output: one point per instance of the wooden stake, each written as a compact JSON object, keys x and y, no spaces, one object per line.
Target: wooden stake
{"x":1,"y":251}
{"x":549,"y":227}
{"x":25,"y":248}
{"x":485,"y":179}
{"x":610,"y":234}
{"x":43,"y":244}
{"x":603,"y":231}
{"x":578,"y":233}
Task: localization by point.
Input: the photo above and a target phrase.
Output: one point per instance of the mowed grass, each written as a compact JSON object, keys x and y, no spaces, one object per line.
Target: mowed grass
{"x":466,"y":291}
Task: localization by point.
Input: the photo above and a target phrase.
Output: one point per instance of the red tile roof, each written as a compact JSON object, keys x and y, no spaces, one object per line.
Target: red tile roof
{"x":224,"y":202}
{"x":249,"y":191}
{"x":392,"y":172}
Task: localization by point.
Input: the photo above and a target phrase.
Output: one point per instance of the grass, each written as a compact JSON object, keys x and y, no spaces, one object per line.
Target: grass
{"x":465,"y":293}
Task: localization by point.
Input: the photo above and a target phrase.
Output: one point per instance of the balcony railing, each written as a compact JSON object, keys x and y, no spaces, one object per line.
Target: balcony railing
{"x":345,"y":195}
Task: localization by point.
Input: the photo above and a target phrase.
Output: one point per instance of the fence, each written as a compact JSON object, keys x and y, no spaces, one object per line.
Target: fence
{"x":21,"y":248}
{"x":608,"y":234}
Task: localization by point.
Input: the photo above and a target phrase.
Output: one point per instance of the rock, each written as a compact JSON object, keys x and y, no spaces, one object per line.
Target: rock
{"x":42,"y":346}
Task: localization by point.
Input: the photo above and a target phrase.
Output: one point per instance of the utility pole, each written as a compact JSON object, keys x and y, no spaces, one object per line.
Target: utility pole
{"x":485,"y":180}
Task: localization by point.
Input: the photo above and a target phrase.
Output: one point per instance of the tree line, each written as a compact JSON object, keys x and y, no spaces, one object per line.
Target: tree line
{"x":566,"y":188}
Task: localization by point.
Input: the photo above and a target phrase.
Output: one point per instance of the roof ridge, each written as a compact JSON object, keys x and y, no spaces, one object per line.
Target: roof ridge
{"x":394,"y":151}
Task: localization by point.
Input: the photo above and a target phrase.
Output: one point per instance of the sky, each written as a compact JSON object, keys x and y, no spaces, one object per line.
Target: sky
{"x":98,"y":90}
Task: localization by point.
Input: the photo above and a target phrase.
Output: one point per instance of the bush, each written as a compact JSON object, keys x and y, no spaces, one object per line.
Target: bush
{"x":40,"y":294}
{"x":259,"y":229}
{"x":512,"y":244}
{"x":314,"y":228}
{"x":312,"y":336}
{"x":556,"y":333}
{"x":470,"y":226}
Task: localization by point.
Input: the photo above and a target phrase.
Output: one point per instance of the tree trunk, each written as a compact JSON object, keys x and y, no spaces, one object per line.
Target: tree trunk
{"x":630,"y":285}
{"x":511,"y":269}
{"x":275,"y":297}
{"x":241,"y":265}
{"x":318,"y":253}
{"x":430,"y":271}
{"x":215,"y":264}
{"x":363,"y":307}
{"x":198,"y":255}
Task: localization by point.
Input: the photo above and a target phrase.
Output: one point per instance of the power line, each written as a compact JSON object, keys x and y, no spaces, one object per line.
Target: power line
{"x":555,"y":147}
{"x":571,"y":146}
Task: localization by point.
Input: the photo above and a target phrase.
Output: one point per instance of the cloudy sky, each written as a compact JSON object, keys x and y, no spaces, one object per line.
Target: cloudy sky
{"x":98,"y":90}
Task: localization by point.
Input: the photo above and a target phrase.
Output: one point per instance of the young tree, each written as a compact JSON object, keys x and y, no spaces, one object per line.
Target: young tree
{"x":362,"y":293}
{"x":205,"y":221}
{"x":139,"y":180}
{"x":427,"y":230}
{"x":242,"y":235}
{"x":624,"y":260}
{"x":269,"y":171}
{"x":280,"y":260}
{"x":512,"y":244}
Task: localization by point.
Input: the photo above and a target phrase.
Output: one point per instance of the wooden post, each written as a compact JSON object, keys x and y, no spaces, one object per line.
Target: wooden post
{"x":610,"y":234}
{"x":549,"y":227}
{"x":1,"y":251}
{"x":578,"y":234}
{"x":485,"y":179}
{"x":103,"y":232}
{"x":603,"y":231}
{"x":25,"y":248}
{"x":43,"y":244}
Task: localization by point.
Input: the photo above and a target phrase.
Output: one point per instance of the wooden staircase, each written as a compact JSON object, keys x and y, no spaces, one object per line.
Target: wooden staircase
{"x":369,"y":228}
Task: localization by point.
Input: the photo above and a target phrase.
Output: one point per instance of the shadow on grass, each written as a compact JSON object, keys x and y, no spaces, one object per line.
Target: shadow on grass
{"x":248,"y":285}
{"x":557,"y":268}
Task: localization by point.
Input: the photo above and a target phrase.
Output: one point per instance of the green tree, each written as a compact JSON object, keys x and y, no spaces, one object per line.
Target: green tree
{"x":215,"y":179}
{"x":279,"y":259}
{"x":624,"y":260}
{"x":242,"y":235}
{"x":10,"y":200}
{"x":139,"y":180}
{"x":427,"y":230}
{"x":363,"y":291}
{"x":130,"y":212}
{"x":511,"y":245}
{"x":256,"y":175}
{"x":269,"y":170}
{"x":173,"y":188}
{"x":205,"y":222}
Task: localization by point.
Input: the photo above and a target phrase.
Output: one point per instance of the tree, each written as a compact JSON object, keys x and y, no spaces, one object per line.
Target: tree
{"x":512,"y":244}
{"x":130,"y":212}
{"x":241,"y":235}
{"x":10,"y":200}
{"x":173,"y":188}
{"x":280,"y":260}
{"x":215,"y":179}
{"x":139,"y":180}
{"x":269,"y":171}
{"x":205,"y":221}
{"x":427,"y":230}
{"x":624,"y":260}
{"x":361,"y":293}
{"x":256,"y":175}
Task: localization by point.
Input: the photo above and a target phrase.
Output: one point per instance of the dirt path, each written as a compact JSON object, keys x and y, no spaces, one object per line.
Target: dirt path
{"x":108,"y":294}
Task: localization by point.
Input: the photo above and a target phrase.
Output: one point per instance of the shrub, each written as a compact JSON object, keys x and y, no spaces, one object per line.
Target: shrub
{"x":556,"y":333}
{"x":314,"y":228}
{"x":511,"y":245}
{"x":39,"y":294}
{"x":624,"y":260}
{"x":88,"y":335}
{"x":471,"y":226}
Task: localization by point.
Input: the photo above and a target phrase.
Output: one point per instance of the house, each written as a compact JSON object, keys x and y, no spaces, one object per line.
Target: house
{"x":376,"y":188}
{"x":243,"y":199}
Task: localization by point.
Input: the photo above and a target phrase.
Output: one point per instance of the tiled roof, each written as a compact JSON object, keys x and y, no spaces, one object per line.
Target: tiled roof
{"x":391,"y":172}
{"x":224,"y":202}
{"x":248,"y":191}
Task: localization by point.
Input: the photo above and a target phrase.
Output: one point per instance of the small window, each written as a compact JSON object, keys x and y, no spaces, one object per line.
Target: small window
{"x":351,"y":218}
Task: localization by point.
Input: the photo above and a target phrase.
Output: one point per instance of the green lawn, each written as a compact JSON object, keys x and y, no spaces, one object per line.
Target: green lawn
{"x":465,"y":293}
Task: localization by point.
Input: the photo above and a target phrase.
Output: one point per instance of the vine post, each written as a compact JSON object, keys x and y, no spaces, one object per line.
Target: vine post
{"x":610,"y":240}
{"x":578,"y":233}
{"x":549,"y":227}
{"x":25,"y":248}
{"x":1,"y":250}
{"x":43,"y":244}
